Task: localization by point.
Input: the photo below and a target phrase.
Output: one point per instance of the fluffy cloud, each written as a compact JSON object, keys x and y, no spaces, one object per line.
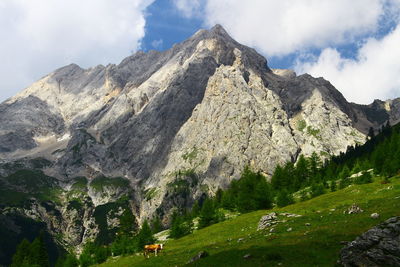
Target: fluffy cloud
{"x":278,"y":28}
{"x":303,"y":29}
{"x":189,"y":8}
{"x":39,"y":36}
{"x":375,"y":73}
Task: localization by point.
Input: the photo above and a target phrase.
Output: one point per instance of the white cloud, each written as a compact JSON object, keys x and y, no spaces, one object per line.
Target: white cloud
{"x":296,"y":27}
{"x":42,"y":35}
{"x":189,"y":8}
{"x":374,"y":74}
{"x":157,"y":44}
{"x":278,"y":28}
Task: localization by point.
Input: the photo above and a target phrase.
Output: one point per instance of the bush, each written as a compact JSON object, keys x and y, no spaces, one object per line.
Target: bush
{"x":317,"y":190}
{"x":208,"y":214}
{"x":284,"y":199}
{"x":364,"y":178}
{"x":181,"y":225}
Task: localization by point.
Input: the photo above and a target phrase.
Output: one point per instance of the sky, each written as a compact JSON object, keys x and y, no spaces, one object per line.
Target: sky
{"x":353,"y":44}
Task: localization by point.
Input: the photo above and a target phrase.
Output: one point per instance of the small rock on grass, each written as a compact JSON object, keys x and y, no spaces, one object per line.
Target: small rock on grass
{"x":375,"y":215}
{"x":200,"y":255}
{"x":247,"y":256}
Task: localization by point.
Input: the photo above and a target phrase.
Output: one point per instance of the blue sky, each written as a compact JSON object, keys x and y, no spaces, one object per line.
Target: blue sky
{"x":354,"y":44}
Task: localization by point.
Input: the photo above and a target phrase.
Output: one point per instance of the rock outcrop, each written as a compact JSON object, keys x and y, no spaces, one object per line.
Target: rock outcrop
{"x":379,"y":246}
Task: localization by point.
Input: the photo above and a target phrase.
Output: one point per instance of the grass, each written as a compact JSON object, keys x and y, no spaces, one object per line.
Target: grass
{"x":100,"y":182}
{"x":315,"y":245}
{"x":18,"y":188}
{"x":301,"y":125}
{"x":313,"y":132}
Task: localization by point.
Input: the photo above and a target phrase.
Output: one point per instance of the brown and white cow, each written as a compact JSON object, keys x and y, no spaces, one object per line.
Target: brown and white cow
{"x":152,"y":248}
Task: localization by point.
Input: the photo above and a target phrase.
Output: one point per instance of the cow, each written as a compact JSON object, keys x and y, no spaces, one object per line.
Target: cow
{"x":152,"y":248}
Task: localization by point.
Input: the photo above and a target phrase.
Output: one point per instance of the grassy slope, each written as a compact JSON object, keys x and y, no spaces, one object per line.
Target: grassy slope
{"x":315,"y":245}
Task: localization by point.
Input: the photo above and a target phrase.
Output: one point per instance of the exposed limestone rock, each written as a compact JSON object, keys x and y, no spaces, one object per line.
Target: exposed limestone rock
{"x":379,"y":246}
{"x":267,"y":221}
{"x":374,"y":215}
{"x":354,"y":209}
{"x":200,"y":255}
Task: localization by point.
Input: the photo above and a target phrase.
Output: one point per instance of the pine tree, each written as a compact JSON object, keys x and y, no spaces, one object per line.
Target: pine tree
{"x":196,"y":208}
{"x":333,"y":186}
{"x":207,"y":214}
{"x":277,"y":178}
{"x":22,"y":253}
{"x":247,"y":183}
{"x":145,"y":235}
{"x":356,"y":168}
{"x":263,"y":193}
{"x":127,"y":223}
{"x":302,"y":171}
{"x":156,"y":225}
{"x":228,"y":199}
{"x":38,"y":252}
{"x":284,"y":198}
{"x":218,"y":197}
{"x":345,"y":173}
{"x":317,"y":190}
{"x":289,"y":183}
{"x":315,"y":164}
{"x":181,"y":225}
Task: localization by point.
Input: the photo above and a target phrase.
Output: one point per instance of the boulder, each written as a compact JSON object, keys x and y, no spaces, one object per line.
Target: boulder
{"x":354,"y":209}
{"x":200,"y":255}
{"x":375,"y":215}
{"x":247,"y":256}
{"x":379,"y":246}
{"x":267,"y":221}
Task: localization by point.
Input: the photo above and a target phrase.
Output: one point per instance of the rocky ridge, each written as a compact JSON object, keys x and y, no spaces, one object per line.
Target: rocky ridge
{"x":176,"y":124}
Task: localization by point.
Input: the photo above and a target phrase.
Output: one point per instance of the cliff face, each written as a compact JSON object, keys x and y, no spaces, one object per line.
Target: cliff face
{"x":197,"y":113}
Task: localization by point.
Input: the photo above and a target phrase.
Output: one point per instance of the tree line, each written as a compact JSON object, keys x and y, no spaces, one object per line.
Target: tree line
{"x":308,"y":177}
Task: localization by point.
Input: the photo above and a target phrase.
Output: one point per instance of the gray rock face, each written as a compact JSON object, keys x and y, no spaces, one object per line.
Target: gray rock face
{"x":179,"y":124}
{"x":379,"y":246}
{"x":26,"y":119}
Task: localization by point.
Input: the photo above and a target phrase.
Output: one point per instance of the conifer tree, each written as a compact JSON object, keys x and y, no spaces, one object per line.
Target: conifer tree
{"x":196,"y":208}
{"x":22,"y":253}
{"x":277,"y":178}
{"x":218,"y":197}
{"x":127,"y":223}
{"x":207,"y":214}
{"x":263,"y":193}
{"x":315,"y":164}
{"x":145,"y":235}
{"x":317,"y":190}
{"x":181,"y":225}
{"x":333,"y":186}
{"x":156,"y":225}
{"x":38,"y":252}
{"x":302,"y":171}
{"x":284,"y":198}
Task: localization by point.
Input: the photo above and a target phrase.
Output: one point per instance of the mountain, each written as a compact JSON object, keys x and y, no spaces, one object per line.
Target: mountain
{"x":162,"y":129}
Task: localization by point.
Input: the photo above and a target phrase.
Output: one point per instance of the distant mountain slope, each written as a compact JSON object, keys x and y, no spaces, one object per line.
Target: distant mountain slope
{"x":198,"y":112}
